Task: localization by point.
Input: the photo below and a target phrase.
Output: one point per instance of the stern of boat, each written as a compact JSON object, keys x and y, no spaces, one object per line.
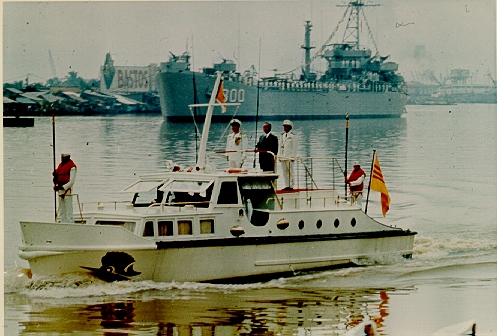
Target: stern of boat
{"x":60,"y":248}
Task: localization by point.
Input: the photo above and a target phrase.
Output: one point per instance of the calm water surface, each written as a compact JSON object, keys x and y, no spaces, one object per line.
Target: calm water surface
{"x":439,"y":163}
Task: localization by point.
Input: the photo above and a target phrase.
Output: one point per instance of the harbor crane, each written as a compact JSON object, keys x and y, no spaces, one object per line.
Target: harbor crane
{"x":52,"y":65}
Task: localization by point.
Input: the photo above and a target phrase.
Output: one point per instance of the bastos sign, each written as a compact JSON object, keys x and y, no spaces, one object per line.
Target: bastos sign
{"x":127,"y":78}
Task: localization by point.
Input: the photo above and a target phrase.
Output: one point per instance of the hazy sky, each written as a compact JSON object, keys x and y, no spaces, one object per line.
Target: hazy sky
{"x":453,"y":33}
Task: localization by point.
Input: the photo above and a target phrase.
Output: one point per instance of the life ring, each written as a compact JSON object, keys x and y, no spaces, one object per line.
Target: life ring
{"x":236,"y":171}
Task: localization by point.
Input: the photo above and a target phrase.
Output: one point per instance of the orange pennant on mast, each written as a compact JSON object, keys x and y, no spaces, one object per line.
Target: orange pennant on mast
{"x":220,"y":96}
{"x":378,"y":184}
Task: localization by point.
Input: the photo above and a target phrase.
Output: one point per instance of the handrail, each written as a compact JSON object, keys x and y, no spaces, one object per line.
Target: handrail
{"x":175,"y":204}
{"x":303,"y":160}
{"x":308,"y":199}
{"x":104,"y":202}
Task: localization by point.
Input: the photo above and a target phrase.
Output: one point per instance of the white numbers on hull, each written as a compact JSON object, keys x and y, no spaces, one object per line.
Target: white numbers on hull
{"x":234,"y":95}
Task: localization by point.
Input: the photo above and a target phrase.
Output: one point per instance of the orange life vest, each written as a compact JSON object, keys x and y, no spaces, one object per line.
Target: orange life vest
{"x":354,"y":175}
{"x":64,"y":172}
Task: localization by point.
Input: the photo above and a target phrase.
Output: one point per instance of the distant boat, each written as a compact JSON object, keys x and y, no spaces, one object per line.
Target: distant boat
{"x":18,"y":122}
{"x":455,"y":89}
{"x":356,"y":81}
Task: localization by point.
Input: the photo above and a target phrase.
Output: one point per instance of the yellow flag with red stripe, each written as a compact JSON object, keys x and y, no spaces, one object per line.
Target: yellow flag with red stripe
{"x":220,"y":96}
{"x":378,"y":184}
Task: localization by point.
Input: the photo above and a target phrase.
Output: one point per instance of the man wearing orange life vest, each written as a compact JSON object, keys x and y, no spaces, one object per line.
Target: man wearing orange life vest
{"x":355,"y":180}
{"x":64,"y":178}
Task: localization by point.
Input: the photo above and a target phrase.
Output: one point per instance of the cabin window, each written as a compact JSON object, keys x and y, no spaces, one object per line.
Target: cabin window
{"x":148,"y":231}
{"x":336,"y":223}
{"x":319,"y":223}
{"x":228,"y":193}
{"x":257,"y":194}
{"x":145,"y":192}
{"x":181,"y":192}
{"x":353,"y":222}
{"x":206,"y":226}
{"x":165,"y":228}
{"x":301,"y":224}
{"x":130,"y":226}
{"x":184,"y":227}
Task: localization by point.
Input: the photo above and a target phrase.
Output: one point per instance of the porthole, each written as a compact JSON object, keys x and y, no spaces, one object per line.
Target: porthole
{"x":301,"y":224}
{"x":319,"y":223}
{"x":336,"y":223}
{"x":353,"y":222}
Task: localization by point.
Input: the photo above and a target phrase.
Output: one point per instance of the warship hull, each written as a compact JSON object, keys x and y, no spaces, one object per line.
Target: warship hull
{"x":179,"y":89}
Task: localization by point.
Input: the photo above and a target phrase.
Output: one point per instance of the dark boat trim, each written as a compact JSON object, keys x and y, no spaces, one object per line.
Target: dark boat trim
{"x":242,"y":241}
{"x":227,"y":118}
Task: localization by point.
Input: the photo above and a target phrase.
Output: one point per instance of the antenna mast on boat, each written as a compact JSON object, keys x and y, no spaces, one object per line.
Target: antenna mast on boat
{"x":207,"y":124}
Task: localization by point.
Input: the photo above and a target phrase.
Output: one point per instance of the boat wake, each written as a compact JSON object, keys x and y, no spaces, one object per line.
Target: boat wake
{"x":439,"y":248}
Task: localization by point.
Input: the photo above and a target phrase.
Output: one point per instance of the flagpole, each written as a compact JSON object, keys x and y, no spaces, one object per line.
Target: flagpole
{"x":194,"y":100}
{"x":370,"y":178}
{"x":53,"y":150}
{"x":257,"y":109}
{"x":201,"y":160}
{"x":346,"y":147}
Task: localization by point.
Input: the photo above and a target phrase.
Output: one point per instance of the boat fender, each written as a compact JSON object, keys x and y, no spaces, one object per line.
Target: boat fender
{"x":236,"y":171}
{"x":237,"y":231}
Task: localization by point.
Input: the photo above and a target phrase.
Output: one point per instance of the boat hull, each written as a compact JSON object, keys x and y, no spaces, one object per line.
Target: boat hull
{"x":177,"y":91}
{"x":216,"y":259}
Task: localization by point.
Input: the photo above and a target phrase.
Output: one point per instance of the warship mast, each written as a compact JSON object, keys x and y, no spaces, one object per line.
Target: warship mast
{"x":351,"y":34}
{"x":307,"y":47}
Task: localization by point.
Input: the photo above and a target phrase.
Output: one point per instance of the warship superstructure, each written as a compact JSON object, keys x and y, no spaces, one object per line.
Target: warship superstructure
{"x":357,"y":81}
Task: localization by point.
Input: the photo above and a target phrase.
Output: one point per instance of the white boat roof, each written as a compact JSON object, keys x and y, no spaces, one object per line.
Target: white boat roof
{"x":150,"y":181}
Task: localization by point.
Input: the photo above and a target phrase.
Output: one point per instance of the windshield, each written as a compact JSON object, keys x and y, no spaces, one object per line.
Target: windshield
{"x":143,"y":186}
{"x":196,"y":187}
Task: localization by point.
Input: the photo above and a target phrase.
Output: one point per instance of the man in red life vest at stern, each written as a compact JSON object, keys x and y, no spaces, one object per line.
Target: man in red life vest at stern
{"x":64,"y":177}
{"x":355,"y":180}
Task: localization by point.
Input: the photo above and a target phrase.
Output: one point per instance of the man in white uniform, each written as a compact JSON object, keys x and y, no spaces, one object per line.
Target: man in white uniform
{"x":236,"y":141}
{"x":287,"y":154}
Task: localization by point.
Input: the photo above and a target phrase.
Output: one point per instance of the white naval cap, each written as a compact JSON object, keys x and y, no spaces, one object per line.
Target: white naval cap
{"x":287,"y":123}
{"x":235,"y":121}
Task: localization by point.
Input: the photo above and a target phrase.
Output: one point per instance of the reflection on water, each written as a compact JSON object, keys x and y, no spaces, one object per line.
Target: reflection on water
{"x":268,"y":311}
{"x":325,"y":138}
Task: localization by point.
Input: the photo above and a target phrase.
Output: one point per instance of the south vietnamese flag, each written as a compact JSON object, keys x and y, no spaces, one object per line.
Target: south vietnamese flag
{"x":220,"y":96}
{"x":378,"y":184}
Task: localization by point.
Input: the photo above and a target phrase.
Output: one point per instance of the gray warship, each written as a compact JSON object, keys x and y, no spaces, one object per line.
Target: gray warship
{"x":356,"y":82}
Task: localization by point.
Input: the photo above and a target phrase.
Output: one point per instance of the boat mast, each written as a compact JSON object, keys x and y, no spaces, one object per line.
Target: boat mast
{"x":207,"y":124}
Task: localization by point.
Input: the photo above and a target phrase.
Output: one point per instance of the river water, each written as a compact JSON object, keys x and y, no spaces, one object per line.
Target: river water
{"x":439,"y":164}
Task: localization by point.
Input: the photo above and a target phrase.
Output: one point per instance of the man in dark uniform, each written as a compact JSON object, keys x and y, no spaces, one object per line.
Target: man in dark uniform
{"x":267,"y":142}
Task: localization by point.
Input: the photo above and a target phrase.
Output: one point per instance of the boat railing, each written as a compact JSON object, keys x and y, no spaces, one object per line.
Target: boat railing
{"x":305,"y":171}
{"x":320,"y":172}
{"x":309,"y":202}
{"x":101,"y":205}
{"x":180,"y":206}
